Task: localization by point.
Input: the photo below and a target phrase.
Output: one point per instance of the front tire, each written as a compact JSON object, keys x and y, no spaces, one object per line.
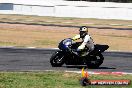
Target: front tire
{"x":57,"y":59}
{"x":94,"y":61}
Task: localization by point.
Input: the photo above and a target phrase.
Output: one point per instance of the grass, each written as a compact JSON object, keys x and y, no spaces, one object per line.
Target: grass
{"x":45,"y":42}
{"x":66,"y":20}
{"x":6,"y":43}
{"x":49,"y":36}
{"x":51,"y":80}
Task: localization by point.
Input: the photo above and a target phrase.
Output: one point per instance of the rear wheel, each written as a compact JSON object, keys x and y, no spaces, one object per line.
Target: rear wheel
{"x":57,"y":59}
{"x":94,"y":61}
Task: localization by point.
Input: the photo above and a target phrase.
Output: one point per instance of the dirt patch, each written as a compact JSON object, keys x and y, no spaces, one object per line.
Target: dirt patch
{"x":21,"y":35}
{"x":126,"y":24}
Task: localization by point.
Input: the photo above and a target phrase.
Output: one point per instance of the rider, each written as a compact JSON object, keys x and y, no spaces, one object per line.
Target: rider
{"x":87,"y":41}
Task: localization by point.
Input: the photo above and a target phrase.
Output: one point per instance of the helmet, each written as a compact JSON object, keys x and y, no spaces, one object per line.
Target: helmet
{"x":83,"y":31}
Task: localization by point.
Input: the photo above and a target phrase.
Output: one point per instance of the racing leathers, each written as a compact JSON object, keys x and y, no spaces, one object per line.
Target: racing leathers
{"x":87,"y":41}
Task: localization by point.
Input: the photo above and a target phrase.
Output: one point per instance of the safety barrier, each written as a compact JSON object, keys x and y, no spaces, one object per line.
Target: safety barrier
{"x":101,"y":10}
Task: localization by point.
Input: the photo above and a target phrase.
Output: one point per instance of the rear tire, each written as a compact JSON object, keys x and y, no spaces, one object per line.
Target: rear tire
{"x":94,"y":61}
{"x":57,"y":59}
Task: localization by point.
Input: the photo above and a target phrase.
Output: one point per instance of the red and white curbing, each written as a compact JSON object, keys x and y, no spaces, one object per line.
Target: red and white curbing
{"x":99,"y":73}
{"x":103,"y":73}
{"x":79,"y":72}
{"x":112,"y":73}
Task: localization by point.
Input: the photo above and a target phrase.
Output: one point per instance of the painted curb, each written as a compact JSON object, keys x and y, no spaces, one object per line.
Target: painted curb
{"x":103,"y":73}
{"x":78,"y":72}
{"x":98,"y":73}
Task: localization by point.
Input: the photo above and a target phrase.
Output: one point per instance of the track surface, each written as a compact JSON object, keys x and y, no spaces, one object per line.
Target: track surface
{"x":20,"y":59}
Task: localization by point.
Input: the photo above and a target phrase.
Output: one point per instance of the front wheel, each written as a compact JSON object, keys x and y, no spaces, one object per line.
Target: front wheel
{"x":57,"y":59}
{"x":94,"y":61}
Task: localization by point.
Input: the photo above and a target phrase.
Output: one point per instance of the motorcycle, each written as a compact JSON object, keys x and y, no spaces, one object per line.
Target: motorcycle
{"x":68,"y":55}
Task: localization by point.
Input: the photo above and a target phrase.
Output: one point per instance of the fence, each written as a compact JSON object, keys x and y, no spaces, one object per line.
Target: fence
{"x":101,"y":10}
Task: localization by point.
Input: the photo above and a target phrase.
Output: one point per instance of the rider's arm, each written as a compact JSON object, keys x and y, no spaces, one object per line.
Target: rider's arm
{"x":76,"y":37}
{"x":86,"y":40}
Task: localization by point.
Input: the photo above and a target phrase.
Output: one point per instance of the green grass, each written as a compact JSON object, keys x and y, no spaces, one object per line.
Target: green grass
{"x":51,"y":80}
{"x":7,"y":43}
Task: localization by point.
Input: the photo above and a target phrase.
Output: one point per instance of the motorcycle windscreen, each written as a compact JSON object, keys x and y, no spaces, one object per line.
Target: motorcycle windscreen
{"x":64,"y":44}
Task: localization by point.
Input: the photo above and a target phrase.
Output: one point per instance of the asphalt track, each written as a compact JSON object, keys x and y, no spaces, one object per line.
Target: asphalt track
{"x":23,"y":59}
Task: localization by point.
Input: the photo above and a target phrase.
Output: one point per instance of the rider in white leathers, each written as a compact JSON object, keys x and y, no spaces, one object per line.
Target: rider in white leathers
{"x":87,"y":41}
